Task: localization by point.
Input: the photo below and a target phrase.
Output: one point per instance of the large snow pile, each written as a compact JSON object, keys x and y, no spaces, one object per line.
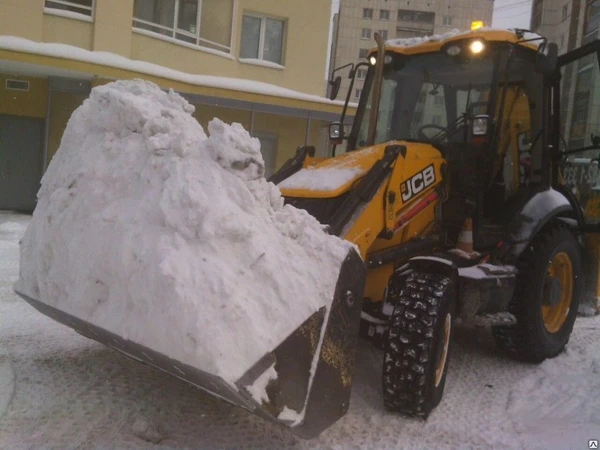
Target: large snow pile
{"x":161,"y":234}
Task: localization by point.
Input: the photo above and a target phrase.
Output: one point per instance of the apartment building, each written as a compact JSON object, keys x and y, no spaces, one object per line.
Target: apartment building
{"x":559,"y":21}
{"x":358,"y":20}
{"x":572,"y":23}
{"x":256,"y":62}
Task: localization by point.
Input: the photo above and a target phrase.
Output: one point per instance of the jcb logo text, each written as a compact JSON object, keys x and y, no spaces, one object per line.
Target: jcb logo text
{"x":417,"y":183}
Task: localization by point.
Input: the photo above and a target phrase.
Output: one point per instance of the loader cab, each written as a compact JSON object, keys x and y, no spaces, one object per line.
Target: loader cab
{"x":428,"y":97}
{"x":480,"y":103}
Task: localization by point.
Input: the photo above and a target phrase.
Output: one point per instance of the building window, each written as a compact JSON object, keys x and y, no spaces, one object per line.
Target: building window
{"x":85,"y":7}
{"x":406,"y":34}
{"x":262,"y":38}
{"x":562,"y":40}
{"x":565,"y":11}
{"x":383,"y":34}
{"x":384,"y":14}
{"x":357,"y":92}
{"x":367,"y":13}
{"x":438,"y":100}
{"x":408,"y":15}
{"x":363,"y":53}
{"x":203,"y":23}
{"x":366,"y":33}
{"x":361,"y":74}
{"x":447,"y":20}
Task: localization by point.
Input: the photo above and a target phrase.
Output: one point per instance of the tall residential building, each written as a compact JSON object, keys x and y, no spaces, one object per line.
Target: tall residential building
{"x":572,"y":23}
{"x":256,"y":62}
{"x":563,"y":21}
{"x":358,"y":20}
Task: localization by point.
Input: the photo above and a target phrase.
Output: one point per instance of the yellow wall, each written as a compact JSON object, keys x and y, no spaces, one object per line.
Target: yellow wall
{"x":178,"y":57}
{"x":22,"y":18}
{"x":305,"y":48}
{"x":112,"y":30}
{"x":306,"y":44}
{"x":62,"y":106}
{"x":290,"y":130}
{"x":319,"y":136}
{"x":67,"y":31}
{"x":21,"y":103}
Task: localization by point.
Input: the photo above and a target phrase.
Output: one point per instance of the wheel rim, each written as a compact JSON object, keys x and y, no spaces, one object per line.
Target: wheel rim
{"x":444,"y":353}
{"x":560,"y":268}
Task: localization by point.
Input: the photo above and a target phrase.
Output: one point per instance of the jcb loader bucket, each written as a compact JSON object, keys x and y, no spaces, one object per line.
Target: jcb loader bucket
{"x":324,"y":398}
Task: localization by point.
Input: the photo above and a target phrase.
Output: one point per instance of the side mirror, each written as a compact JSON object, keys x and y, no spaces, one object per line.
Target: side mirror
{"x":335,"y":87}
{"x":479,"y":126}
{"x":336,"y":133}
{"x":546,"y":58}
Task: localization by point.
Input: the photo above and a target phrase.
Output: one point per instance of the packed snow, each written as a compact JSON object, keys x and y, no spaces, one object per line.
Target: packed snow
{"x":330,"y":175}
{"x":258,"y":389}
{"x":321,"y":179}
{"x":149,"y":228}
{"x":61,"y":390}
{"x":418,"y":40}
{"x":481,"y":271}
{"x":414,"y":41}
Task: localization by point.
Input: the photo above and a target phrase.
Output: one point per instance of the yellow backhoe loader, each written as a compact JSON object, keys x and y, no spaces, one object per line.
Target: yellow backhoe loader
{"x":458,"y":185}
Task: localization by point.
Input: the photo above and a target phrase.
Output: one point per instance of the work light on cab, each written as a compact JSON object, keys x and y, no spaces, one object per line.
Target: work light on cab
{"x":480,"y":125}
{"x":476,"y":47}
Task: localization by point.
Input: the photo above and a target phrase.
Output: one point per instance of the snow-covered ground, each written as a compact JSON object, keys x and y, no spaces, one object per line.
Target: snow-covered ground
{"x":60,"y":390}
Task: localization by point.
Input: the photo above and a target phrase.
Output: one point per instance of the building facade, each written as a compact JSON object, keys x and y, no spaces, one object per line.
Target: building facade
{"x":571,"y":24}
{"x":256,"y":62}
{"x":358,"y":20}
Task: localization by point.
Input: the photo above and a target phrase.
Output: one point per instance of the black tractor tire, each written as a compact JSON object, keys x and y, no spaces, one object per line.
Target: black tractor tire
{"x":536,"y":337}
{"x":417,"y":347}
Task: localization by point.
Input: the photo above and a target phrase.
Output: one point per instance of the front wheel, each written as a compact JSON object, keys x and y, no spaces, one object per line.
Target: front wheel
{"x":417,"y":349}
{"x":546,"y":298}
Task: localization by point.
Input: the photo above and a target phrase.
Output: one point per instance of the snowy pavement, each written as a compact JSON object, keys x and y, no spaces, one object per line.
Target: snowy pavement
{"x":61,"y":390}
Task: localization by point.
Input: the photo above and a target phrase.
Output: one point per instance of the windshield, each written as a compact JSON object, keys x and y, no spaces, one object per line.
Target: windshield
{"x":426,"y":98}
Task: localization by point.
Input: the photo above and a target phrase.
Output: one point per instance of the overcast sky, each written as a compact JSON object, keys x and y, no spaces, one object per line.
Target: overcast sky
{"x":511,"y":13}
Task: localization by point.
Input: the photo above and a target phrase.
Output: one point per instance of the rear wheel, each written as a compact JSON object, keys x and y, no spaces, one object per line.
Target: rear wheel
{"x":417,"y":350}
{"x":546,"y":298}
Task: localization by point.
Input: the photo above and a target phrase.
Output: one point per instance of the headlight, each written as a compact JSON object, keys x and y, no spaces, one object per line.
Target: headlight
{"x":480,"y":125}
{"x":336,"y":131}
{"x":453,"y":50}
{"x":373,"y":60}
{"x":476,"y":47}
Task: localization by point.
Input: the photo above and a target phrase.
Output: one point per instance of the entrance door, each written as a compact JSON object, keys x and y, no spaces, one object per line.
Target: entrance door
{"x":268,"y":148}
{"x":21,"y":150}
{"x":578,"y":124}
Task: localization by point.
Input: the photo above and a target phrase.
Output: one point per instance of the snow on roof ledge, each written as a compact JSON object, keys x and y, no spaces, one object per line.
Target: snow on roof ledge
{"x":414,"y":41}
{"x":113,"y":60}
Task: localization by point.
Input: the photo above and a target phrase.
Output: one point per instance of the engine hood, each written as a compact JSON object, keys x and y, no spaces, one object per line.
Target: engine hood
{"x":333,"y":177}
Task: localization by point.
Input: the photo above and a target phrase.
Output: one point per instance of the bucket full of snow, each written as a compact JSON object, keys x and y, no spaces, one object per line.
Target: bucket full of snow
{"x":168,"y":245}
